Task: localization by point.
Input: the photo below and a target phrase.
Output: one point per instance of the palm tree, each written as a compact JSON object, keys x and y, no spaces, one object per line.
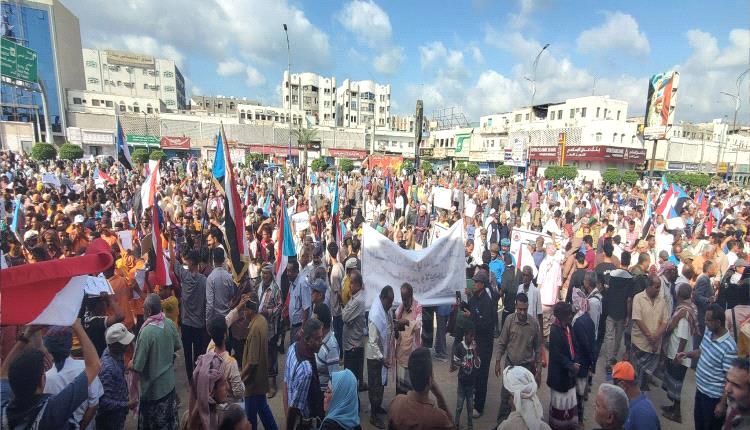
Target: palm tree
{"x":304,"y":137}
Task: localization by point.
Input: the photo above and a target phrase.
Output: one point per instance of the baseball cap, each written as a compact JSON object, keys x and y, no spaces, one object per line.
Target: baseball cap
{"x":318,"y":285}
{"x":118,"y":333}
{"x":78,"y":219}
{"x":686,"y":255}
{"x":505,"y":242}
{"x":623,"y":371}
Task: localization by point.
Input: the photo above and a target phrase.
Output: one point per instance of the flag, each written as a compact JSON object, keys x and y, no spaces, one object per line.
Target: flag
{"x":267,"y":204}
{"x":99,"y":175}
{"x":335,"y":212}
{"x":664,"y":183}
{"x":671,"y":206}
{"x":123,"y":152}
{"x":701,"y":201}
{"x":647,"y":215}
{"x":710,"y":224}
{"x":16,"y":218}
{"x":284,"y":243}
{"x":594,"y":207}
{"x":145,"y":199}
{"x":50,"y":292}
{"x":162,"y":276}
{"x":234,"y":223}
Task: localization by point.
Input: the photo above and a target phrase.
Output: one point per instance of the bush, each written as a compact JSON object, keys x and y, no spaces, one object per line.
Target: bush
{"x":630,"y":177}
{"x":68,"y":151}
{"x":689,"y":179}
{"x":43,"y":151}
{"x":504,"y":171}
{"x":139,"y":155}
{"x":561,"y":172}
{"x":611,"y":176}
{"x":319,"y":165}
{"x":426,"y":167}
{"x":157,"y":154}
{"x":407,"y":165}
{"x":346,"y":165}
{"x":253,"y":156}
{"x":471,"y":169}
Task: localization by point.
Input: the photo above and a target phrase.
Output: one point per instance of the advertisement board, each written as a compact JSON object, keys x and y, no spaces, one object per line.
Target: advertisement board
{"x":660,"y":104}
{"x":589,"y":153}
{"x":517,"y":152}
{"x":130,"y":59}
{"x":169,"y":142}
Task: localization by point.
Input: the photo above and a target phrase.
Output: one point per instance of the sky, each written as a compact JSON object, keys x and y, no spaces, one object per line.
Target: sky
{"x":473,"y":54}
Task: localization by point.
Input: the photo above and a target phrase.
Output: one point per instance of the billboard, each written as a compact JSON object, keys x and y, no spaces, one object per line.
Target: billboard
{"x":18,"y":62}
{"x":660,"y":104}
{"x":130,"y":59}
{"x":517,"y":152}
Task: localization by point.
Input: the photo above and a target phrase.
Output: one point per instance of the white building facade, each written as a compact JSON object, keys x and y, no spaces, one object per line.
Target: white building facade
{"x":361,"y":104}
{"x":313,"y":94}
{"x":135,"y":75}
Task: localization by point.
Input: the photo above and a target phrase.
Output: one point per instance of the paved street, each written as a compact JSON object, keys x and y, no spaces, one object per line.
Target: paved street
{"x":447,"y":382}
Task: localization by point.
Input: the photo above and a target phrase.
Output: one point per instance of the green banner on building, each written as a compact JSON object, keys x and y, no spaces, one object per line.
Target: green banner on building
{"x":142,"y":140}
{"x":17,"y":61}
{"x":463,"y":144}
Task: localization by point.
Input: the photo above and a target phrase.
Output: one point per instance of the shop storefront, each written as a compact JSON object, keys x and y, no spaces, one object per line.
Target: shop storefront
{"x":177,"y":147}
{"x":591,"y":161}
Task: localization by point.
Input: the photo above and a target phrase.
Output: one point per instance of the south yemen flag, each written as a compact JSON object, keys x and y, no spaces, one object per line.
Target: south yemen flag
{"x":123,"y":152}
{"x":50,"y":292}
{"x":284,"y":243}
{"x":234,"y":224}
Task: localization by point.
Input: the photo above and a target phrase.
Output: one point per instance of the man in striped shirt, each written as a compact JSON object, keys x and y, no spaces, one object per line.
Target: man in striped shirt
{"x":327,"y":359}
{"x":715,"y":355}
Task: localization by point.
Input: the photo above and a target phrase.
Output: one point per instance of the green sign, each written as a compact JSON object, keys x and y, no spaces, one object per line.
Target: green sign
{"x":142,"y":140}
{"x":460,"y":138}
{"x":18,"y":62}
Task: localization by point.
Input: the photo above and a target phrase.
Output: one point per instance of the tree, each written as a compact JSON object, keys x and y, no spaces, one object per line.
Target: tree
{"x":460,"y":167}
{"x":68,"y":151}
{"x":426,"y":167}
{"x":157,"y":154}
{"x":253,"y":156}
{"x":472,"y":169}
{"x":561,"y":172}
{"x":346,"y":165}
{"x":43,"y":151}
{"x":611,"y":176}
{"x":319,"y":165}
{"x":139,"y":155}
{"x":304,"y":137}
{"x":689,"y":179}
{"x":630,"y":177}
{"x":504,"y":171}
{"x":407,"y":165}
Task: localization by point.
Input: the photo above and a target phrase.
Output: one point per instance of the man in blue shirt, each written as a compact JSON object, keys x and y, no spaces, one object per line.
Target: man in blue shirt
{"x":642,"y":414}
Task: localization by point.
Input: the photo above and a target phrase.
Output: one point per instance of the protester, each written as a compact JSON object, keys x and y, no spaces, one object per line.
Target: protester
{"x":562,"y":370}
{"x":115,"y":403}
{"x":234,"y":418}
{"x":650,"y":318}
{"x":378,"y":351}
{"x":681,"y":328}
{"x":192,"y":308}
{"x":642,"y":414}
{"x":303,"y":400}
{"x":466,"y":362}
{"x":208,"y":390}
{"x":584,"y":345}
{"x":408,"y":335}
{"x":355,"y":323}
{"x":482,"y":312}
{"x":527,"y":410}
{"x":255,"y":364}
{"x":218,"y":331}
{"x":220,"y":287}
{"x":341,"y":402}
{"x":611,"y":407}
{"x":270,"y":307}
{"x":737,"y":391}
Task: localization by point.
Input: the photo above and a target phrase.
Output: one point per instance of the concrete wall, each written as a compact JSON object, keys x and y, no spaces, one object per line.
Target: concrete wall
{"x":17,"y":136}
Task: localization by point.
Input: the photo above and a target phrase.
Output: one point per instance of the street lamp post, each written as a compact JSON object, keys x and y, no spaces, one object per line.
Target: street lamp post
{"x":533,"y":76}
{"x":737,"y":100}
{"x":289,"y":73}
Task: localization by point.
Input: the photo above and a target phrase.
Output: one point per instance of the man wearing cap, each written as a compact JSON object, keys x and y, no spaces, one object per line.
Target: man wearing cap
{"x":115,"y":403}
{"x":300,"y":295}
{"x":641,"y":414}
{"x":318,"y":290}
{"x":482,"y":311}
{"x":270,"y":307}
{"x":733,"y":292}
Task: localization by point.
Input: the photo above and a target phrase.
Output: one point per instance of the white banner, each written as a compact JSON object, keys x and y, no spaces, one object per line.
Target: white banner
{"x":435,"y":272}
{"x":519,"y":241}
{"x":442,"y":197}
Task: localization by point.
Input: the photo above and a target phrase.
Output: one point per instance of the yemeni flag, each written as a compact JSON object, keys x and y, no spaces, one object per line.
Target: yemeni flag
{"x":284,"y":243}
{"x":101,"y":176}
{"x":144,"y":199}
{"x":335,"y":217}
{"x":234,"y":223}
{"x":123,"y":152}
{"x":160,"y":269}
{"x":50,"y":292}
{"x":710,"y":224}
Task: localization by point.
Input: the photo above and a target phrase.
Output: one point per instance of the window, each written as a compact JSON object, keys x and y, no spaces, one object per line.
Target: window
{"x":170,"y":89}
{"x":526,"y":117}
{"x":171,"y":102}
{"x":598,"y":137}
{"x":622,"y":138}
{"x":614,"y":138}
{"x":597,"y":112}
{"x":605,"y":113}
{"x":129,"y":69}
{"x":168,"y":74}
{"x":76,"y":100}
{"x":93,"y":80}
{"x":109,"y":103}
{"x":518,"y":117}
{"x":618,"y":115}
{"x":95,"y":102}
{"x":242,"y":114}
{"x":122,"y":107}
{"x":114,"y":68}
{"x":559,"y":114}
{"x":583,"y":112}
{"x":91,"y":63}
{"x":218,"y":105}
{"x":632,"y":139}
{"x":119,"y":83}
{"x":354,"y":105}
{"x":231,"y":105}
{"x":149,"y":109}
{"x":136,"y":109}
{"x":354,"y":119}
{"x":145,"y":86}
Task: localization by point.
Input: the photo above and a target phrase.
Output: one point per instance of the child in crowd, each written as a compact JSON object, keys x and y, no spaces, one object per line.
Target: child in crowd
{"x":466,"y":361}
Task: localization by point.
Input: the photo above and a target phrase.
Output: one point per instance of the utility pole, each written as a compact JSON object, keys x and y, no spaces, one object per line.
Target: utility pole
{"x":737,"y":100}
{"x":289,"y":73}
{"x":47,"y":126}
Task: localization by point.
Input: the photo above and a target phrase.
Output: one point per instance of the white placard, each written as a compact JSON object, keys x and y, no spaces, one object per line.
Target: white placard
{"x":126,"y":239}
{"x":51,"y":179}
{"x":96,"y":285}
{"x":519,"y":240}
{"x":437,"y":231}
{"x":470,"y":208}
{"x":435,"y":272}
{"x":301,"y":221}
{"x":442,"y":197}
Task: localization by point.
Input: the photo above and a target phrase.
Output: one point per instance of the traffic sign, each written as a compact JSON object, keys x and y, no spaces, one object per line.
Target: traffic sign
{"x":17,"y":61}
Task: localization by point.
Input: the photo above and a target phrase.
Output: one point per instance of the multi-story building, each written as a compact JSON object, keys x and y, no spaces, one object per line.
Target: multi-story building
{"x":254,"y":113}
{"x":135,"y":75}
{"x":52,"y":31}
{"x":313,"y":94}
{"x":360,"y":104}
{"x":219,"y":104}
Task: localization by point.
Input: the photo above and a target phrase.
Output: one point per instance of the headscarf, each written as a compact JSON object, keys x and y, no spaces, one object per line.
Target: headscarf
{"x":580,"y":303}
{"x":521,"y":384}
{"x":344,"y":407}
{"x":209,"y":368}
{"x":58,"y":342}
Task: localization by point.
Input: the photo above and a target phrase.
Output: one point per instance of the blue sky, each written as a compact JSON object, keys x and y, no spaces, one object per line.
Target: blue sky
{"x":473,"y":54}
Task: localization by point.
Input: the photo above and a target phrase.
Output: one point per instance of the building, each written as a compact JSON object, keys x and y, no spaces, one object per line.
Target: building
{"x":313,"y":94}
{"x":361,"y":104}
{"x":135,"y":75}
{"x":52,"y":31}
{"x":219,"y":104}
{"x":254,"y":113}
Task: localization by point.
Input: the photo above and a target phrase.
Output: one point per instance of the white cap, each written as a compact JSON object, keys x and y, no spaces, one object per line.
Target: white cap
{"x":78,"y":219}
{"x":118,"y":333}
{"x":29,"y":234}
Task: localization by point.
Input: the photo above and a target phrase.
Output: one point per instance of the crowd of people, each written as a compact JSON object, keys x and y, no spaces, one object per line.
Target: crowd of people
{"x":612,"y":286}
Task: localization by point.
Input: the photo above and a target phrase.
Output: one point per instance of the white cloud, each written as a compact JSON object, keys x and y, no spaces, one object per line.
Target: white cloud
{"x":519,"y":19}
{"x":619,"y":33}
{"x":476,"y":53}
{"x":230,"y":67}
{"x":435,"y":57}
{"x":367,"y":21}
{"x":253,"y":77}
{"x":390,"y":60}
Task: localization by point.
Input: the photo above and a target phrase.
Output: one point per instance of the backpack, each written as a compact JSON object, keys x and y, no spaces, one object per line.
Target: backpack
{"x":34,"y":424}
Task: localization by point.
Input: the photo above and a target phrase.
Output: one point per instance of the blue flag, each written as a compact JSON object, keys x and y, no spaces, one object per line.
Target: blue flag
{"x":219,"y":169}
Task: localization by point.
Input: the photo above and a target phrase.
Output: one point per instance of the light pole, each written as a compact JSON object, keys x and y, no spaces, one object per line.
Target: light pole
{"x":737,"y":100}
{"x":533,"y":76}
{"x":289,"y":73}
